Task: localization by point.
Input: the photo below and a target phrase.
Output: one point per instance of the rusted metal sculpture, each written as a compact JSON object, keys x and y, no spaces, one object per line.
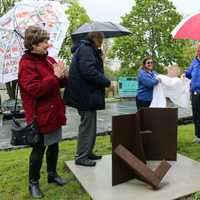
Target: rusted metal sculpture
{"x":150,"y":134}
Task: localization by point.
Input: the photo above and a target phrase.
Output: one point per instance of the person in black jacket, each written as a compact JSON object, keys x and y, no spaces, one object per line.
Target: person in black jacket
{"x":86,"y":92}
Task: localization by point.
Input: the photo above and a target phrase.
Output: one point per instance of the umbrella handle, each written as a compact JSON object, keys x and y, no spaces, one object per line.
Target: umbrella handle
{"x":19,"y":34}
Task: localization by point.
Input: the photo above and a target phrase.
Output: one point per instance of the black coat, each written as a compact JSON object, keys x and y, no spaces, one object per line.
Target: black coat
{"x":86,"y":83}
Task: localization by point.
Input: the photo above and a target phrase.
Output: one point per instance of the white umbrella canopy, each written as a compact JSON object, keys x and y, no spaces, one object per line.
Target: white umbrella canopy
{"x":47,"y":14}
{"x":11,"y":49}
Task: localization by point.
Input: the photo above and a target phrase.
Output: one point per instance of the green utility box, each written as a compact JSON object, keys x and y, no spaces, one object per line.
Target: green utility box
{"x":127,"y":86}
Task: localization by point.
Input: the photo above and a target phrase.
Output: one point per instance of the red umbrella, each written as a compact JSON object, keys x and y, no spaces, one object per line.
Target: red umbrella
{"x":188,"y":28}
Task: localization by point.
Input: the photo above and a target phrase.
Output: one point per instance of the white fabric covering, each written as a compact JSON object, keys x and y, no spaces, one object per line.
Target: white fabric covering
{"x":176,"y":89}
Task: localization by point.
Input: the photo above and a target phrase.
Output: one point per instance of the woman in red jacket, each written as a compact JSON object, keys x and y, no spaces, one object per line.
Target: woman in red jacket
{"x":40,"y":79}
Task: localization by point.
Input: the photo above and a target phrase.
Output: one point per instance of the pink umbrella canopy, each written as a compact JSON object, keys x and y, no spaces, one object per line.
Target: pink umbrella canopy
{"x":188,"y":28}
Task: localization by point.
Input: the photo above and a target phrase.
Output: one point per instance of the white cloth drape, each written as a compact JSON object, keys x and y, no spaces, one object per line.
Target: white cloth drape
{"x":176,"y":89}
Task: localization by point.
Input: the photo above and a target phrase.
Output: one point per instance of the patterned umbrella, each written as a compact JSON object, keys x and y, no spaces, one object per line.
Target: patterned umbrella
{"x":188,"y":28}
{"x":47,"y":14}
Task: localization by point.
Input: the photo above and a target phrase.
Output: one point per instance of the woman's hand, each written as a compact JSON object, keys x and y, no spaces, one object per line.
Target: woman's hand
{"x":183,"y":76}
{"x":159,"y":79}
{"x":59,"y":69}
{"x":111,"y":87}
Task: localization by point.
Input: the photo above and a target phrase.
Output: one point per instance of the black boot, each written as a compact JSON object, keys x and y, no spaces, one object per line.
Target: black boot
{"x":34,"y":190}
{"x":85,"y":162}
{"x":54,"y":178}
{"x":93,"y":156}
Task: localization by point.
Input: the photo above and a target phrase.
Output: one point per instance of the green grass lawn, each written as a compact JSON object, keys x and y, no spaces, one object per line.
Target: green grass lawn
{"x":14,"y":169}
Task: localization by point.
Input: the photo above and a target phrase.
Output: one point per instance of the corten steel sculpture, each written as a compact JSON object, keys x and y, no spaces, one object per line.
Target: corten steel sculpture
{"x":141,"y":170}
{"x":125,"y":132}
{"x":162,"y":143}
{"x":141,"y":135}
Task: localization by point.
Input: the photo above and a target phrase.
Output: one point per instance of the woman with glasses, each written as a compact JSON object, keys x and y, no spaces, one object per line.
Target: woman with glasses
{"x":146,"y":80}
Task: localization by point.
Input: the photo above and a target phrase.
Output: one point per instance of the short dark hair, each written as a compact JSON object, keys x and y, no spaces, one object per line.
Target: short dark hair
{"x":33,"y":36}
{"x":145,"y":60}
{"x":95,"y":35}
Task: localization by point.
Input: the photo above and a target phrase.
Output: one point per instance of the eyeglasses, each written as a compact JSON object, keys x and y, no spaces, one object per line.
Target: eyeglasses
{"x":148,"y":63}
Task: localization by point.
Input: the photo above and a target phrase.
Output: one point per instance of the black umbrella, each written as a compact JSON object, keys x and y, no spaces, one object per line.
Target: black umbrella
{"x":108,"y":28}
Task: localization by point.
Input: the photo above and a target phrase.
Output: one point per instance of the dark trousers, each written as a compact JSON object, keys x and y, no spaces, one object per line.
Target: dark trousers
{"x":196,"y":113}
{"x":36,"y":158}
{"x":142,"y":104}
{"x":87,"y":134}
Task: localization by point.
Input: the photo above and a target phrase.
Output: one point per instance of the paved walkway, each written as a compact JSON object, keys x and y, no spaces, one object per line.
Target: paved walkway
{"x":104,"y":120}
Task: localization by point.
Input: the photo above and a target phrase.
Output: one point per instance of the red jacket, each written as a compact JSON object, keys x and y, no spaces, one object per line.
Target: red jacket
{"x":37,"y":81}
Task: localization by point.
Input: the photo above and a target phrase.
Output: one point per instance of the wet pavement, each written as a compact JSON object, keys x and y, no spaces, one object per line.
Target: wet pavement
{"x":104,"y":121}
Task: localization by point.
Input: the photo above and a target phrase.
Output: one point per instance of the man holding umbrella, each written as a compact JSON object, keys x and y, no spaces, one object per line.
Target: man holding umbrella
{"x":86,"y":92}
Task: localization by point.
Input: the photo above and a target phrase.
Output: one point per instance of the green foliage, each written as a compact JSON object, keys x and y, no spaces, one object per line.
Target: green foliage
{"x":5,"y":5}
{"x":185,"y":145}
{"x":189,"y":51}
{"x":151,"y":22}
{"x":110,"y":74}
{"x":127,"y":71}
{"x":77,"y":16}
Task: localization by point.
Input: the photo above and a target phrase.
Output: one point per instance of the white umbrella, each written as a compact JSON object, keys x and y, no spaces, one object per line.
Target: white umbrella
{"x":48,"y":14}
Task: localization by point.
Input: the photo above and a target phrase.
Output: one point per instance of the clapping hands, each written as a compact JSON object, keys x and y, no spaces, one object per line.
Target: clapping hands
{"x":59,"y":69}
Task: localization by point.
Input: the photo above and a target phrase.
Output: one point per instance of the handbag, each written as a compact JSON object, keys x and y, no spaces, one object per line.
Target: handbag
{"x":24,"y":135}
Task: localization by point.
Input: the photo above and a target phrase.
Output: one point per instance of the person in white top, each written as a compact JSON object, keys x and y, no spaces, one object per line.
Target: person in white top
{"x":172,"y":87}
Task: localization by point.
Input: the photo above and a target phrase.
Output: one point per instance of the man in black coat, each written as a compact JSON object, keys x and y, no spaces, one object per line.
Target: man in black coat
{"x":86,"y":92}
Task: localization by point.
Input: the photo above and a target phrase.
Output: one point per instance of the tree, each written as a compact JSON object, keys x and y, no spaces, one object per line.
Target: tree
{"x":189,"y":52}
{"x":77,"y":16}
{"x":5,"y":5}
{"x":109,"y":73}
{"x":151,"y":22}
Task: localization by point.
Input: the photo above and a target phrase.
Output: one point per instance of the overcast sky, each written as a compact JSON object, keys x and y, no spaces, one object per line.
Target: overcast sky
{"x":111,"y":10}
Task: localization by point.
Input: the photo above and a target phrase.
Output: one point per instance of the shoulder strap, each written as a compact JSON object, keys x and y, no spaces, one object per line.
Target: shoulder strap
{"x":15,"y":108}
{"x":16,"y":95}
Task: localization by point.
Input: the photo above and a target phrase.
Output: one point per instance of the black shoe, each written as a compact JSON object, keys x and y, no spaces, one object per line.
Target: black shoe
{"x":35,"y":191}
{"x":56,"y":179}
{"x":85,"y":162}
{"x":94,"y":157}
